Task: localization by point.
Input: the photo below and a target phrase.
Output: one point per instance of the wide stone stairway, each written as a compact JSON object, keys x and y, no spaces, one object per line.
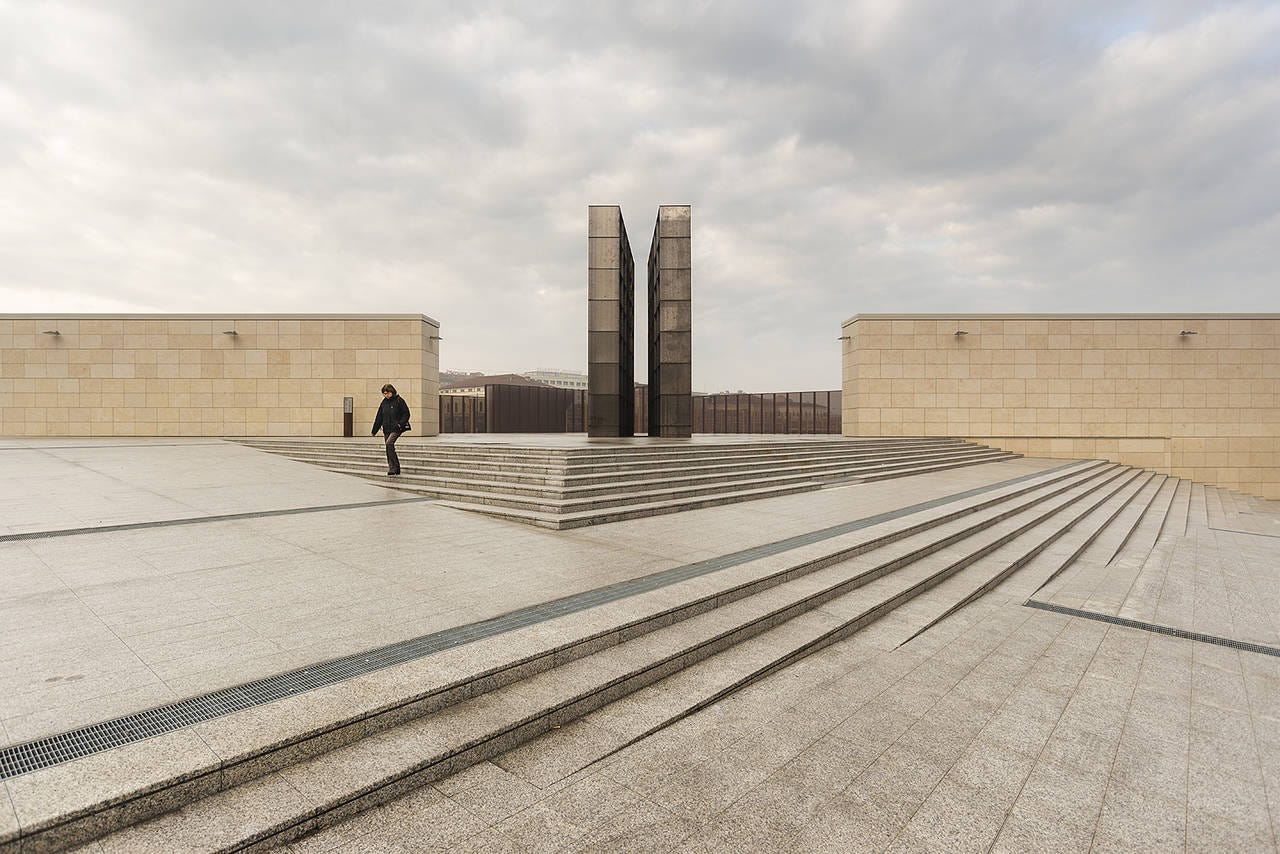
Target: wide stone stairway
{"x":341,"y":737}
{"x":571,"y":487}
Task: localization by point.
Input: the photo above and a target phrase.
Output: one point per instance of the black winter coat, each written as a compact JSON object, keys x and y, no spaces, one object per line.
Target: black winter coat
{"x":393,"y":416}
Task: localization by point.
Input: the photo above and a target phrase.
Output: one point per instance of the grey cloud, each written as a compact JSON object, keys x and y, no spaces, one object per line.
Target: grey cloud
{"x":841,"y":157}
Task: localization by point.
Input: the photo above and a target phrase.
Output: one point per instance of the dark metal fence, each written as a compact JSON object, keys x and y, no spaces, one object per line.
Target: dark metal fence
{"x":808,"y":412}
{"x":463,"y":414}
{"x":515,"y":409}
{"x":532,"y":409}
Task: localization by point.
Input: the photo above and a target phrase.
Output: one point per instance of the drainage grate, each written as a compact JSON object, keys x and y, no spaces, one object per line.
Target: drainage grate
{"x":53,"y":750}
{"x":1152,"y":627}
{"x":199,"y":520}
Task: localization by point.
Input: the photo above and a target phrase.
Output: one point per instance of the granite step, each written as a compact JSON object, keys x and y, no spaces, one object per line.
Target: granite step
{"x":563,"y":520}
{"x":1197,"y":510}
{"x":568,"y":477}
{"x":1102,"y":564}
{"x":1111,"y":585}
{"x":567,"y":488}
{"x":803,"y":610}
{"x":1076,"y":577}
{"x":641,"y":486}
{"x":1179,"y":521}
{"x":605,"y":454}
{"x":84,"y":798}
{"x":1053,"y":546}
{"x":557,"y":755}
{"x":594,"y":466}
{"x":558,"y":521}
{"x":1141,"y":535}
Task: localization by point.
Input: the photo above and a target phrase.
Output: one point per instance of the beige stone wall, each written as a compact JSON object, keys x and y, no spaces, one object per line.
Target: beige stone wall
{"x":181,"y":375}
{"x":1121,"y":387}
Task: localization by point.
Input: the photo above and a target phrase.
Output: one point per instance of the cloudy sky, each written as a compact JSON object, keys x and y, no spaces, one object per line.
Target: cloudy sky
{"x":841,"y":158}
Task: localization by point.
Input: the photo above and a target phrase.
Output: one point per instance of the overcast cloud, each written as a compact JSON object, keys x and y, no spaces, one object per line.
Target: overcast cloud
{"x":842,"y":157}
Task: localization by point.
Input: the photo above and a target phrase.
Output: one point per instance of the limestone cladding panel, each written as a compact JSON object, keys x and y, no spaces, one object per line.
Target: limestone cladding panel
{"x":1135,"y":389}
{"x":171,"y":375}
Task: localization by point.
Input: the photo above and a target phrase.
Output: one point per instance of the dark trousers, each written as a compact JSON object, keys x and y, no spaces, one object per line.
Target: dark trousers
{"x":393,"y":461}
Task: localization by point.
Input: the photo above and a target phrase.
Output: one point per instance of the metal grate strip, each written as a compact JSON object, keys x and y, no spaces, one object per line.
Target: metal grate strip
{"x":55,"y":749}
{"x":200,"y":520}
{"x":1152,"y":627}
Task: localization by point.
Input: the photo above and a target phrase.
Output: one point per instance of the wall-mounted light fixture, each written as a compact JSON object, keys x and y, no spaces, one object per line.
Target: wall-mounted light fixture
{"x":50,"y":332}
{"x":960,"y":332}
{"x":1188,"y":332}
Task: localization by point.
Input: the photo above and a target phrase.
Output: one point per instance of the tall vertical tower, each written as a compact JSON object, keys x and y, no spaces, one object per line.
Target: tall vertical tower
{"x":671,"y":324}
{"x":611,"y":285}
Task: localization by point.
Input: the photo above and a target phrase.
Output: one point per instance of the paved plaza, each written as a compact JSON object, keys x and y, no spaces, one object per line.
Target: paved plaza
{"x":1135,"y":707}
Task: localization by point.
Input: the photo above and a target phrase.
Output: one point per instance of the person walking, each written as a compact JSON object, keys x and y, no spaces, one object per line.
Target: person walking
{"x":393,"y":419}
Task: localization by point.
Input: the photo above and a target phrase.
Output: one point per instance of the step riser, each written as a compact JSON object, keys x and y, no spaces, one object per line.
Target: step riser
{"x":587,"y":471}
{"x":624,"y":513}
{"x":573,"y":488}
{"x":582,"y":705}
{"x":1152,"y":528}
{"x":1098,"y":481}
{"x":1094,"y":507}
{"x":609,"y":453}
{"x":580,"y":483}
{"x":1140,"y":519}
{"x":166,"y":799}
{"x":590,"y":473}
{"x":565,"y":712}
{"x":846,"y":629}
{"x":604,"y":464}
{"x":606,"y":516}
{"x":1024,"y":559}
{"x":841,"y":632}
{"x":627,"y":490}
{"x":577,"y":505}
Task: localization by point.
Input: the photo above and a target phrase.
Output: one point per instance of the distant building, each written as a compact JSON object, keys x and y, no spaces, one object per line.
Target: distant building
{"x":559,"y":379}
{"x":473,"y":385}
{"x":455,"y":377}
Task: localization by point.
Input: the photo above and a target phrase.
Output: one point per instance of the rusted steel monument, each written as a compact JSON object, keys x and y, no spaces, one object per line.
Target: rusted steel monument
{"x":611,"y":324}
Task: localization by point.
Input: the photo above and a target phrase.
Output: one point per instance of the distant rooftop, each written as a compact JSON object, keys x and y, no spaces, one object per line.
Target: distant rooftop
{"x":491,"y":379}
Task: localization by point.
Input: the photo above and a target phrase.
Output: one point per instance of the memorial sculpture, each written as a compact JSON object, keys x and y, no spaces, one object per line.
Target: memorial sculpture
{"x":670,"y":328}
{"x":611,"y":325}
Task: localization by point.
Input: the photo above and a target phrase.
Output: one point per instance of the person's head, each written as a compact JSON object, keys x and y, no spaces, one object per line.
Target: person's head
{"x":388,"y":391}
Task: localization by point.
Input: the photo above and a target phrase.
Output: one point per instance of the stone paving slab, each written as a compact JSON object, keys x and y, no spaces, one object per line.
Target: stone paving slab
{"x":1008,"y":730}
{"x":314,"y":701}
{"x":49,"y":485}
{"x":1001,"y":728}
{"x":102,"y":624}
{"x":1198,"y":577}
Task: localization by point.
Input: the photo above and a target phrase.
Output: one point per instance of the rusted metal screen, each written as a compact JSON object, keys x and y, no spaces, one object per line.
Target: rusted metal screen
{"x":800,"y":412}
{"x":462,"y":414}
{"x":531,"y":409}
